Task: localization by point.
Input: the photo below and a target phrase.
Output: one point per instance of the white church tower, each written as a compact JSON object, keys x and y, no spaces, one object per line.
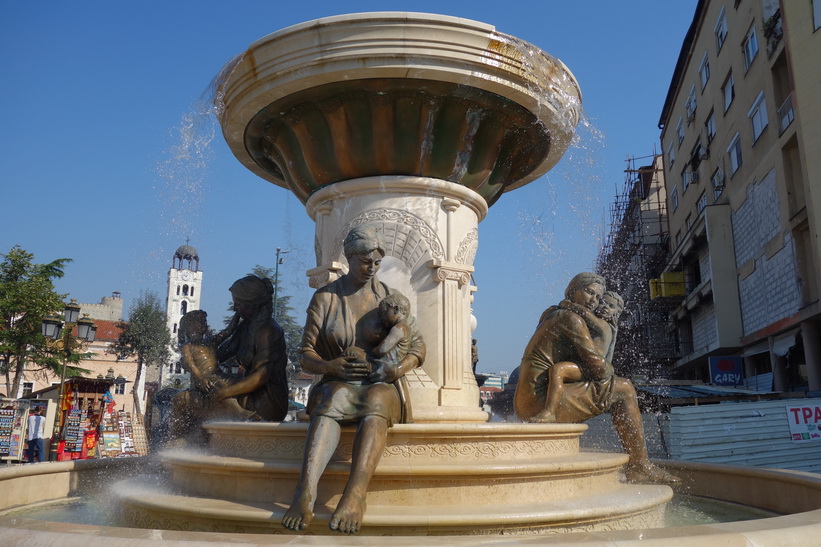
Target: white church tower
{"x":184,"y":290}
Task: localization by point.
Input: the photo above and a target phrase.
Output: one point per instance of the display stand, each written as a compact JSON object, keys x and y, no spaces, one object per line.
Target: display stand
{"x":13,"y":417}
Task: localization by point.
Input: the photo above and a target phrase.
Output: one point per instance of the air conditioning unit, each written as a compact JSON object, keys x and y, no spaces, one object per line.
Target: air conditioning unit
{"x":703,"y":153}
{"x":691,"y":114}
{"x":718,"y":179}
{"x":694,"y":176}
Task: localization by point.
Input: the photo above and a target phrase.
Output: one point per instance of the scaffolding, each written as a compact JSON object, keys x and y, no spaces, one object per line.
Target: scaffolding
{"x":632,"y":260}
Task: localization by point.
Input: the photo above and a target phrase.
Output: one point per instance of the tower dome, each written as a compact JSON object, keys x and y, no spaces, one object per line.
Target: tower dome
{"x":186,"y":257}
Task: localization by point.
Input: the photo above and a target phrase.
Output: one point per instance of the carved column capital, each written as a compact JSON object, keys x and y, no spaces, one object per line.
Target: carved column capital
{"x":322,"y":275}
{"x":450,"y":204}
{"x":450,"y":271}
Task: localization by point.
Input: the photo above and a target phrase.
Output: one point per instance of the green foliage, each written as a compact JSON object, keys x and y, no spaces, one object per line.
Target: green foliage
{"x":145,"y":335}
{"x":26,"y":296}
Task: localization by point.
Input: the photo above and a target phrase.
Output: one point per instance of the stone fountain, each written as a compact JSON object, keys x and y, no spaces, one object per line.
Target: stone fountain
{"x":417,"y":123}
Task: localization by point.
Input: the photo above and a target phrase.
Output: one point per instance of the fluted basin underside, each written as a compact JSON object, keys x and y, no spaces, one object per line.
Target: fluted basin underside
{"x":397,"y":126}
{"x":397,"y":93}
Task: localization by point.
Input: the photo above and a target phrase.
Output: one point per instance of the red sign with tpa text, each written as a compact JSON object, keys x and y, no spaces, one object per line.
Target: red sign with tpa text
{"x":805,"y":423}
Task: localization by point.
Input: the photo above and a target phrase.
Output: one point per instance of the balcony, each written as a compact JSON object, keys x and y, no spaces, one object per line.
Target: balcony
{"x":773,"y":32}
{"x":786,"y":114}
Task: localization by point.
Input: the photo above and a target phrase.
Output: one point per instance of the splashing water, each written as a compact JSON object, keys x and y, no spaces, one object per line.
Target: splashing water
{"x":572,"y":194}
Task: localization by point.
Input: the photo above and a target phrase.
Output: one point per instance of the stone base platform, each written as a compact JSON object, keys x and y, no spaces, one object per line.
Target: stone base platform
{"x":433,"y":479}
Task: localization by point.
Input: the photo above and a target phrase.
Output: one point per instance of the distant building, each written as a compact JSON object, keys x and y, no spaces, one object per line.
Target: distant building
{"x":100,"y":364}
{"x":632,"y":260}
{"x":741,"y":137}
{"x":184,"y":292}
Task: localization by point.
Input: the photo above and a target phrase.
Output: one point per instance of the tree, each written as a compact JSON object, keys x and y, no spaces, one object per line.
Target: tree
{"x":284,"y":317}
{"x":26,"y":296}
{"x":145,"y":335}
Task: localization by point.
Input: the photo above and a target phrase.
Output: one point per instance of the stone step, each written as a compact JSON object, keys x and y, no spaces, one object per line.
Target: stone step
{"x":641,"y":506}
{"x":416,"y":483}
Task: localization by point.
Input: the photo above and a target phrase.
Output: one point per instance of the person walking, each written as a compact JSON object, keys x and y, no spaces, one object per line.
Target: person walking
{"x":34,"y":435}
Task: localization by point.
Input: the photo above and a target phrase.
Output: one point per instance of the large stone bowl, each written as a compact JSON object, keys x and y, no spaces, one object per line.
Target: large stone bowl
{"x":397,"y":93}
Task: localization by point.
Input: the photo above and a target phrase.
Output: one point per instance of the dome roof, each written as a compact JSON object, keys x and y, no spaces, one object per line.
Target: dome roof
{"x":187,"y":251}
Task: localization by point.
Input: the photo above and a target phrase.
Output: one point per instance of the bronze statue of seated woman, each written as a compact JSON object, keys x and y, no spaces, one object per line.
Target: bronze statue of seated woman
{"x":343,"y":330}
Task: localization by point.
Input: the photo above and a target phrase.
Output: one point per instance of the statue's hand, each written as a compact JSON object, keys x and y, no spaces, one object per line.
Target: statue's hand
{"x":348,"y":368}
{"x":384,"y":372}
{"x":220,"y":394}
{"x":572,"y":306}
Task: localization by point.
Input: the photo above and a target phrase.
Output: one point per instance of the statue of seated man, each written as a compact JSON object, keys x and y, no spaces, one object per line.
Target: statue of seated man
{"x":563,"y":335}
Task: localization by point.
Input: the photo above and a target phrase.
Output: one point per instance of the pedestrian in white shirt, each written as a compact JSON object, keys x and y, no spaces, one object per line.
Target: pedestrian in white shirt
{"x":34,"y":435}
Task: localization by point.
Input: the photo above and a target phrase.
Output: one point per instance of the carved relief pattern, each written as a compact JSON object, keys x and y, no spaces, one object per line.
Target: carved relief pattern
{"x":466,"y":253}
{"x":234,"y":445}
{"x":408,"y":237}
{"x":480,"y":449}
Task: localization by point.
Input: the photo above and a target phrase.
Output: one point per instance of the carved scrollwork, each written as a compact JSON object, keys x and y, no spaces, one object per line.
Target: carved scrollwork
{"x":467,"y":247}
{"x":408,"y":236}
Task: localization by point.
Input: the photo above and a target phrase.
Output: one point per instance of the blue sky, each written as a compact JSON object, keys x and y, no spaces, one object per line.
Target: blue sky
{"x":95,"y":95}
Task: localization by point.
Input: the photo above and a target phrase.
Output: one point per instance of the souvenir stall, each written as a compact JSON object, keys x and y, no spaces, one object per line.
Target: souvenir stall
{"x":91,"y":427}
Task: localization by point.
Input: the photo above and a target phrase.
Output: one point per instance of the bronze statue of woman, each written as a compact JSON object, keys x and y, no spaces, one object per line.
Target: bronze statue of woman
{"x":342,"y":329}
{"x":257,"y":344}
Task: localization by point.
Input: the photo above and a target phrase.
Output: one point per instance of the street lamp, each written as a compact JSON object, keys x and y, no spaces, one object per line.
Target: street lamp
{"x":276,"y":277}
{"x":61,"y":332}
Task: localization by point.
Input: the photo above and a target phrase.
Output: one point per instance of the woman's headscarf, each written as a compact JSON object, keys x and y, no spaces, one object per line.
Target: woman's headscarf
{"x":363,"y":240}
{"x":253,"y":289}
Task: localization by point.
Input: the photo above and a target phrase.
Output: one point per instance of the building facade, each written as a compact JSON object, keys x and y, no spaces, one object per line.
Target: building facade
{"x":741,"y":140}
{"x":631,"y":261}
{"x":184,"y":290}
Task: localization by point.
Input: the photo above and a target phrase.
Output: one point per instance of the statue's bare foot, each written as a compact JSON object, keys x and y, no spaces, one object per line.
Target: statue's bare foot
{"x":348,"y":515}
{"x":648,"y":473}
{"x":543,"y":417}
{"x":300,"y":514}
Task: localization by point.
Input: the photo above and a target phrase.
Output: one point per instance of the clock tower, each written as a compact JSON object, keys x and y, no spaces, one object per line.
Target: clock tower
{"x":184,"y":290}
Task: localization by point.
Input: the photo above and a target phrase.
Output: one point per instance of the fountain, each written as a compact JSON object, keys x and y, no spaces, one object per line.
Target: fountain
{"x":415,"y":123}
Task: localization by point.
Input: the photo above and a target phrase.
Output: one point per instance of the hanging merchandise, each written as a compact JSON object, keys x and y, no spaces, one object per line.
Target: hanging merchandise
{"x":13,"y":415}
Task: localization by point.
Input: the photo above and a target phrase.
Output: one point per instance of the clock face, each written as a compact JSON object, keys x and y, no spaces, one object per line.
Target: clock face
{"x":186,"y":276}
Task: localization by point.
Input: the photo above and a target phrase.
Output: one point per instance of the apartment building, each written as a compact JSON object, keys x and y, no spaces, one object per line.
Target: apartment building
{"x":741,"y":140}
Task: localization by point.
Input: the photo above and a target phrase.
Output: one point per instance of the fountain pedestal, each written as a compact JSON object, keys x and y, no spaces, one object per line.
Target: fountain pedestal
{"x":433,"y":479}
{"x":431,"y":231}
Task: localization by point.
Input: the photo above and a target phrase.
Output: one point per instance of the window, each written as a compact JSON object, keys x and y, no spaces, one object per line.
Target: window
{"x":710,"y":126}
{"x":685,"y":179}
{"x":183,"y":307}
{"x":119,"y":388}
{"x":691,"y":104}
{"x":750,"y":47}
{"x":680,"y":130}
{"x":721,"y":30}
{"x":758,"y":116}
{"x":28,"y":387}
{"x":674,"y":198}
{"x":704,"y":71}
{"x":734,"y":150}
{"x":701,"y":203}
{"x":816,"y":14}
{"x":185,"y":290}
{"x":728,"y":89}
{"x":671,"y":154}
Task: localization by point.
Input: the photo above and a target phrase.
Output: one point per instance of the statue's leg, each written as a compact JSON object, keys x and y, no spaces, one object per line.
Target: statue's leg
{"x":369,"y":444}
{"x":627,"y":421}
{"x":321,"y":441}
{"x":558,"y":374}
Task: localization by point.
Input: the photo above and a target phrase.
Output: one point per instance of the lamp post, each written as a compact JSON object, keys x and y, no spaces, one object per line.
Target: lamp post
{"x":61,"y":332}
{"x":276,"y":277}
